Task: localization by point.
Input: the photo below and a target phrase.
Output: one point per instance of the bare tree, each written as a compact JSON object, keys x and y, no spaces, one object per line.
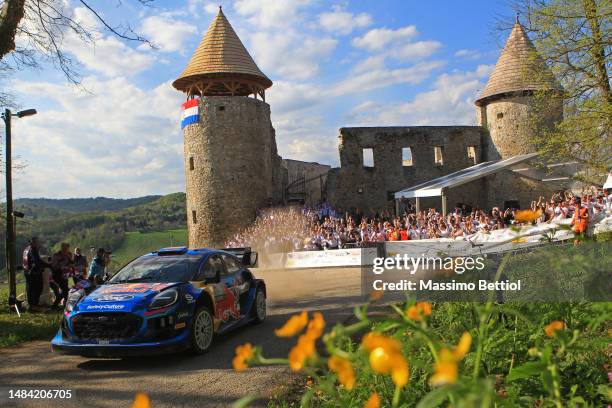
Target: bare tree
{"x":33,"y":31}
{"x":574,"y":37}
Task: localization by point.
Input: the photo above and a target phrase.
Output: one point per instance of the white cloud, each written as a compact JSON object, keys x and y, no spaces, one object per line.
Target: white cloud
{"x":415,"y":50}
{"x":117,"y":140}
{"x":450,"y":102}
{"x":468,"y":54}
{"x":292,"y":55}
{"x":343,"y":22}
{"x":381,"y":78}
{"x":377,"y":39}
{"x":271,"y":13}
{"x":106,"y":55}
{"x":167,"y":32}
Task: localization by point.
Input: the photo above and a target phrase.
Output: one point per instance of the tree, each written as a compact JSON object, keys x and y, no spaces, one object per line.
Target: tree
{"x":32,"y":31}
{"x":574,"y":37}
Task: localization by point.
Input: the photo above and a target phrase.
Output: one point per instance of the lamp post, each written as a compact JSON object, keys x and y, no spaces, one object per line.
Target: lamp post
{"x":10,"y":228}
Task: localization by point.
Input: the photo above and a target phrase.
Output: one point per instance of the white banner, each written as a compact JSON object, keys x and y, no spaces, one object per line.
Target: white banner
{"x":331,"y":258}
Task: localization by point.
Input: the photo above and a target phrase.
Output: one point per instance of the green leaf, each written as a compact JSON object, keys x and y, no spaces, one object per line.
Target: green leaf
{"x":526,"y":370}
{"x":245,"y":401}
{"x":435,"y":397}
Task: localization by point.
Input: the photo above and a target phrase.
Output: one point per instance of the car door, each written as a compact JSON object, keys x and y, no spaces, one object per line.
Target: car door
{"x":227,"y":308}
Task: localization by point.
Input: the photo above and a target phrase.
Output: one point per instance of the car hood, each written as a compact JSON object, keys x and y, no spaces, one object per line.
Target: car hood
{"x":122,"y":297}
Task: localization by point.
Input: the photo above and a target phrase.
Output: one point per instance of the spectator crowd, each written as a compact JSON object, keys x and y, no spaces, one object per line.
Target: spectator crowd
{"x":321,"y":227}
{"x":55,"y":273}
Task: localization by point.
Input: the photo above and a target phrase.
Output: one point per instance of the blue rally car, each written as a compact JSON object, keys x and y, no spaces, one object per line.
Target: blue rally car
{"x":165,"y":301}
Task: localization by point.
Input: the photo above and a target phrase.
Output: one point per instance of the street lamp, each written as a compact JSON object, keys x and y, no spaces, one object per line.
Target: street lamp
{"x":10,"y":230}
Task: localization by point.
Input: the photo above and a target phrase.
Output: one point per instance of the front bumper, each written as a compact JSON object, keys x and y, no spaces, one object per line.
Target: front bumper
{"x":174,"y":345}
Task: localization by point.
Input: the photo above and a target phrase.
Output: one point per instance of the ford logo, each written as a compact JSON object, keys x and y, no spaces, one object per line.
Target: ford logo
{"x":113,"y":298}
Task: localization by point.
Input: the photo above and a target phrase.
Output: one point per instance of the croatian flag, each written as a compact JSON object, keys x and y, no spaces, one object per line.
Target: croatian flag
{"x":191,"y":112}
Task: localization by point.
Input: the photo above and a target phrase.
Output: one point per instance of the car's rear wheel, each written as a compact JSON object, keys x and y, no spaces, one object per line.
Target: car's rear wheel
{"x":202,"y":331}
{"x":260,"y":306}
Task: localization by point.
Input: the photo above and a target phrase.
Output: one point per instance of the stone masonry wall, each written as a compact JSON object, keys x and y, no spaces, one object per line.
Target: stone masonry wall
{"x":313,"y":174}
{"x":510,"y":122}
{"x":231,"y":167}
{"x":370,"y":189}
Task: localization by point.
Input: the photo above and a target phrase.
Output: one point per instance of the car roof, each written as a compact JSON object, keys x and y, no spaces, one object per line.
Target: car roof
{"x":183,"y":250}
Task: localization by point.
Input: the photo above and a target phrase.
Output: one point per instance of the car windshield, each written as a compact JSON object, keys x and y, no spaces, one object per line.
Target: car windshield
{"x":158,"y":269}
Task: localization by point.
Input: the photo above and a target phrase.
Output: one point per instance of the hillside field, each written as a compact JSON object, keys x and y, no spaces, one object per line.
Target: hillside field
{"x":137,"y":243}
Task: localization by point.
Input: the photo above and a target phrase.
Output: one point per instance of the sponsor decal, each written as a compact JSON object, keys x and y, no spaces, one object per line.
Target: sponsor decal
{"x":105,"y":307}
{"x":182,"y":315}
{"x":132,"y":288}
{"x":189,"y":298}
{"x":113,"y":297}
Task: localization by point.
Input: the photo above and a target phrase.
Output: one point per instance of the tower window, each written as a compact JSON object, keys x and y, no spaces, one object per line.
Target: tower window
{"x":406,"y":156}
{"x":221,"y":108}
{"x":438,"y":157}
{"x":194,"y":218}
{"x":191,"y":166}
{"x":471,"y":153}
{"x":368,"y":157}
{"x":500,"y":115}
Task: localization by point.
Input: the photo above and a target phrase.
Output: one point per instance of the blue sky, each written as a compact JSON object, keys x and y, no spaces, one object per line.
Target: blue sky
{"x":333,"y":63}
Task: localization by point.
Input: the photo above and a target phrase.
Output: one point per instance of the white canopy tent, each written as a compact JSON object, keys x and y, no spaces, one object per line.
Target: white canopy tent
{"x":519,"y":164}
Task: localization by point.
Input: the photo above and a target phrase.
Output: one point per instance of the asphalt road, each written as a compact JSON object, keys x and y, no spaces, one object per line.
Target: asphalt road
{"x":182,"y":380}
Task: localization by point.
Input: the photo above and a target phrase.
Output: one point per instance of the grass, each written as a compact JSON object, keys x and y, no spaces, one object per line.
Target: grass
{"x":137,"y":243}
{"x":15,"y":330}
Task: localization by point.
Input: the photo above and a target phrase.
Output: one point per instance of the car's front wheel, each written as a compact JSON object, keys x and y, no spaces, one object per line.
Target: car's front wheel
{"x":202,"y":331}
{"x":260,"y":306}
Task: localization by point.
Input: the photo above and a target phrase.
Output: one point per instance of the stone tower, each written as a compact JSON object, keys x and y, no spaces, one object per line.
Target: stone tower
{"x":511,"y":109}
{"x":231,"y":163}
{"x":507,"y":106}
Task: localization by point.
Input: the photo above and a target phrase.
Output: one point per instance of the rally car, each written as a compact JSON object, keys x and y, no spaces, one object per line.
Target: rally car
{"x":165,"y":301}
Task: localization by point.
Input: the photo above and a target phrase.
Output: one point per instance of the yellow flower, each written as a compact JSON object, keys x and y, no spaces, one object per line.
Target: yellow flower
{"x":376,"y":294}
{"x":141,"y":400}
{"x":464,"y":346}
{"x":316,"y":326}
{"x":417,"y":311}
{"x":243,"y":353}
{"x":399,"y":372}
{"x":373,"y":340}
{"x":380,"y":360}
{"x":373,"y":401}
{"x":447,"y":367}
{"x":343,"y":368}
{"x":386,"y":357}
{"x":304,"y":349}
{"x":296,"y":359}
{"x":293,"y":326}
{"x":555,"y":325}
{"x":527,"y":215}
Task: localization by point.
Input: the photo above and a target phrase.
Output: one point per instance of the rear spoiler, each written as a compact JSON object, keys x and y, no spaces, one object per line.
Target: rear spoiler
{"x":248,"y":257}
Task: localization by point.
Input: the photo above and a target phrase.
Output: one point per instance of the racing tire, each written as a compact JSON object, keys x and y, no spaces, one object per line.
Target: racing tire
{"x":202,"y":331}
{"x":259,"y":306}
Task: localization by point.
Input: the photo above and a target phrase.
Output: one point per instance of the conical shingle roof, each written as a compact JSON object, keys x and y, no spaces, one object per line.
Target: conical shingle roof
{"x":221,"y":56}
{"x":518,"y":69}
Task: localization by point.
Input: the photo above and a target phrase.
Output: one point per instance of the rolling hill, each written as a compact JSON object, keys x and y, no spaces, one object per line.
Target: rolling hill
{"x":100,"y":222}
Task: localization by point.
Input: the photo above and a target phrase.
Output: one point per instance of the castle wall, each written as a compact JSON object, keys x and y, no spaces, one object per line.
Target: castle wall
{"x":510,"y":122}
{"x":305,"y":180}
{"x":371,"y":189}
{"x":231,"y":167}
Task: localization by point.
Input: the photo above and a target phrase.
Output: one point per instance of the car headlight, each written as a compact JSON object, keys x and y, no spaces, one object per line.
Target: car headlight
{"x":73,"y":299}
{"x":164,"y":299}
